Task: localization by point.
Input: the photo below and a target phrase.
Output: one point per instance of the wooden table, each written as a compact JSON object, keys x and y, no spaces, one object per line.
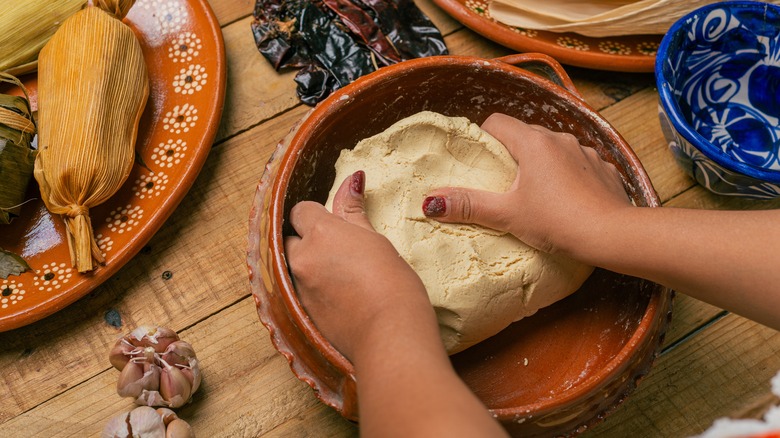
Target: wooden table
{"x":55,"y":378}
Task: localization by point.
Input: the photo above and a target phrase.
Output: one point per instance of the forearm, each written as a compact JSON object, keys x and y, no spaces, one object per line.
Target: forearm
{"x":726,"y":258}
{"x":407,"y":386}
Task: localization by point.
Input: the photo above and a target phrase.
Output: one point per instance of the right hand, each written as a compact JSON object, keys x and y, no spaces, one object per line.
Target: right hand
{"x":349,"y":278}
{"x":561,"y":190}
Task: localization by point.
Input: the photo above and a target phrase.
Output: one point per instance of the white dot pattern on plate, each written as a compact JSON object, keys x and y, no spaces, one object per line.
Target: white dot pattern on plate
{"x":105,"y":243}
{"x":171,"y":15}
{"x":190,"y":79}
{"x":572,"y":43}
{"x":124,"y":219}
{"x":180,"y":119}
{"x":52,"y":276}
{"x":11,"y":292}
{"x":150,"y":184}
{"x":169,"y":153}
{"x":185,"y":47}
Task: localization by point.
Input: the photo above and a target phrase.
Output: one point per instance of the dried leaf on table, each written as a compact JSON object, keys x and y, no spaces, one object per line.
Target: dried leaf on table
{"x":336,"y":41}
{"x":11,"y":264}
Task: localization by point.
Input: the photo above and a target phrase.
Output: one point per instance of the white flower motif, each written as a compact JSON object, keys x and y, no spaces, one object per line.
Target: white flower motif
{"x":169,"y":153}
{"x":180,"y":119}
{"x":572,"y":43}
{"x":530,"y":33}
{"x":105,"y":243}
{"x":124,"y":219}
{"x":171,"y":15}
{"x":184,"y":47}
{"x":614,"y":48}
{"x":190,"y":79}
{"x":478,"y":6}
{"x":151,"y":184}
{"x":52,"y":276}
{"x":647,"y":48}
{"x":11,"y":292}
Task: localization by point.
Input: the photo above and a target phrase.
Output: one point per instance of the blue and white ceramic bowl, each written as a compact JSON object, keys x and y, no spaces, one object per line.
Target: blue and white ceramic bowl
{"x":718,"y":76}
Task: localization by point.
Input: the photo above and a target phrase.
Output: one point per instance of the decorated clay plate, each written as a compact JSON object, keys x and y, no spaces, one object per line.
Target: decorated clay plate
{"x":627,"y":53}
{"x":184,"y":51}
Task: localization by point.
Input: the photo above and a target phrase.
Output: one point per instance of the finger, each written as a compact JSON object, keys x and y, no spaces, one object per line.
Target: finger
{"x":349,"y":201}
{"x":511,"y":132}
{"x":305,"y":214}
{"x":467,"y":206}
{"x":291,"y":248}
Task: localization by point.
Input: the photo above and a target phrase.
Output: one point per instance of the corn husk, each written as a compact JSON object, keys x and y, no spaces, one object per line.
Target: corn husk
{"x":17,"y":129}
{"x":92,"y":89}
{"x":26,"y":26}
{"x":595,"y":18}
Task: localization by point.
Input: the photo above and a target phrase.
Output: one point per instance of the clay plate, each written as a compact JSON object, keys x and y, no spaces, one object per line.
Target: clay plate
{"x":557,"y":372}
{"x":184,"y":51}
{"x":635,"y":53}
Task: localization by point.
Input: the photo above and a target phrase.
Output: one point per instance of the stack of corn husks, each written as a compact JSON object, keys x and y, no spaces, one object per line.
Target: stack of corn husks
{"x":26,"y":26}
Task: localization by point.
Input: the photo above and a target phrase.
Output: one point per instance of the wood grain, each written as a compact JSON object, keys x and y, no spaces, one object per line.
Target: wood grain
{"x":56,"y":380}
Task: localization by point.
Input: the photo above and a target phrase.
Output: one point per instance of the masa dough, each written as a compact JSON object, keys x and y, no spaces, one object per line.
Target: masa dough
{"x":479,"y":280}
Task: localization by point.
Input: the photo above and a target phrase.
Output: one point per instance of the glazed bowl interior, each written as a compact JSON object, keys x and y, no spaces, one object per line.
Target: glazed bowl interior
{"x":718,"y":74}
{"x":571,"y":361}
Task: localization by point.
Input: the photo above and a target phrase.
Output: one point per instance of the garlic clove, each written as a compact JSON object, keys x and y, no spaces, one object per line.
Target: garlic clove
{"x":167,"y":415}
{"x":131,"y":384}
{"x":157,"y":337}
{"x":146,"y":423}
{"x":179,"y":429}
{"x":193,"y":375}
{"x":140,"y":422}
{"x":179,"y":353}
{"x":174,"y":386}
{"x":151,"y":398}
{"x":121,"y":353}
{"x":128,"y":384}
{"x":117,"y":427}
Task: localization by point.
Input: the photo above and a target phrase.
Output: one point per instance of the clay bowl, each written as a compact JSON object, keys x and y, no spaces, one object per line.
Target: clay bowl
{"x":557,"y":372}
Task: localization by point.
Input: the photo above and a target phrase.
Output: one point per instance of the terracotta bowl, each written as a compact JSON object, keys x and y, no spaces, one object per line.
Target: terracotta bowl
{"x":558,"y":372}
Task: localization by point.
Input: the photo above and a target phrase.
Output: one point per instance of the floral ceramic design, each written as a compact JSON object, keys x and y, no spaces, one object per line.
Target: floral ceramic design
{"x":634,"y":53}
{"x":183,"y":49}
{"x":720,"y":88}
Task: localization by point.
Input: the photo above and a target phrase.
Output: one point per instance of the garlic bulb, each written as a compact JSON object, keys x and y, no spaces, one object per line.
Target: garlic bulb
{"x":156,"y":367}
{"x":145,"y":422}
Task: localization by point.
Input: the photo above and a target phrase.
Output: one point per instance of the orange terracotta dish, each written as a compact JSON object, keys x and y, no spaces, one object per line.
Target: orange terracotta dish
{"x":184,"y":52}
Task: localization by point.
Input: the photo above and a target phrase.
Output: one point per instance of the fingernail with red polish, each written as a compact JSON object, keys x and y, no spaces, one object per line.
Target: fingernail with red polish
{"x":434,"y":206}
{"x":358,"y":183}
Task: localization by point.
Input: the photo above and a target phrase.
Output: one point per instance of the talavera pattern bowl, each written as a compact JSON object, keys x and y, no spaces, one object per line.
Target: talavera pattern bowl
{"x":718,"y":76}
{"x":555,"y":373}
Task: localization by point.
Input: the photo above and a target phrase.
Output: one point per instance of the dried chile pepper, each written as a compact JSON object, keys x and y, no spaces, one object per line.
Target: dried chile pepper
{"x":336,"y":41}
{"x":410,"y":31}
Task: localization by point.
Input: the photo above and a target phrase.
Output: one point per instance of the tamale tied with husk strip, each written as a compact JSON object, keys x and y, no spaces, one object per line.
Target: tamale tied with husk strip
{"x":92,"y":89}
{"x":26,"y":27}
{"x":17,"y":157}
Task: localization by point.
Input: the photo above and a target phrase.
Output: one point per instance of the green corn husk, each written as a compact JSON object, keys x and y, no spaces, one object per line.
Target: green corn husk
{"x":17,"y":157}
{"x":26,"y":26}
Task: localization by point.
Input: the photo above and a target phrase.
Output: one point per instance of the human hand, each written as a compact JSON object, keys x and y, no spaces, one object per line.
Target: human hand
{"x":350,"y":279}
{"x":561,"y":192}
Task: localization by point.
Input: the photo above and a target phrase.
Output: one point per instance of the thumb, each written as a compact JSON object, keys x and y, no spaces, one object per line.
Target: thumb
{"x":467,"y":206}
{"x":349,"y":202}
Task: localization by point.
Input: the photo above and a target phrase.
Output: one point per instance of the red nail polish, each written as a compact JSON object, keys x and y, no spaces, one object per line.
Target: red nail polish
{"x":358,"y":183}
{"x":434,"y":206}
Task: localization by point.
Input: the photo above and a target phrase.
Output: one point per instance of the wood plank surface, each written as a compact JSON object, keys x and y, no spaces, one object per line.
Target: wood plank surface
{"x":57,"y":381}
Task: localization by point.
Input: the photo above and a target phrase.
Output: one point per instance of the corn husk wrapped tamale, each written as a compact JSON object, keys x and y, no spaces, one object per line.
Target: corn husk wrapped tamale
{"x":26,"y":26}
{"x":17,"y":129}
{"x":92,"y":89}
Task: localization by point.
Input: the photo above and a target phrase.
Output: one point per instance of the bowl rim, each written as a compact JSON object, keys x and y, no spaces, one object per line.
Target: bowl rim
{"x":654,"y":315}
{"x":672,"y":108}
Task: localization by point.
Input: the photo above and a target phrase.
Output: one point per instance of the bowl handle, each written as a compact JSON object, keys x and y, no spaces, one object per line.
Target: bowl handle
{"x":542,"y":65}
